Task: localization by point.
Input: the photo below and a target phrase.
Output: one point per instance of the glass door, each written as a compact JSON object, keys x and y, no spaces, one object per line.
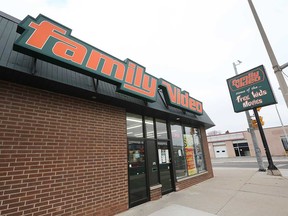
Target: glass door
{"x":165,"y":167}
{"x":138,"y":192}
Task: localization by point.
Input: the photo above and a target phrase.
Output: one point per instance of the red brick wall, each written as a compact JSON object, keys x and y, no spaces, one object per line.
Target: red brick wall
{"x":60,"y":155}
{"x":188,"y":182}
{"x":206,"y":152}
{"x":155,"y":193}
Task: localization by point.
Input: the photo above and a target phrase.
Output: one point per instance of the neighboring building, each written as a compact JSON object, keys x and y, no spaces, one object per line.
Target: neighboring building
{"x":71,"y":145}
{"x":239,"y":144}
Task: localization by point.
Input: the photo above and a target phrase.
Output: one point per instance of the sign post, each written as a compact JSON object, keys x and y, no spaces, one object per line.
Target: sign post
{"x":271,"y":167}
{"x":251,"y":90}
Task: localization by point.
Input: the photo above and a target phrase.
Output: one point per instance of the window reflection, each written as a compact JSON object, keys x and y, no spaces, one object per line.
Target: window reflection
{"x":137,"y":172}
{"x":186,"y":141}
{"x":196,"y":160}
{"x":149,"y":127}
{"x":161,"y":129}
{"x":199,"y":151}
{"x":178,"y":151}
{"x":189,"y":150}
{"x":134,"y":125}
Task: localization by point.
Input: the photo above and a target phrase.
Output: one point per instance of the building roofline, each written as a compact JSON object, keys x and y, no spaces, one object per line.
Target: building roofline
{"x":11,"y":18}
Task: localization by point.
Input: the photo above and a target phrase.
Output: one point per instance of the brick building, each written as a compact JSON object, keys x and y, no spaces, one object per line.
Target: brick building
{"x":240,"y":144}
{"x":72,"y":145}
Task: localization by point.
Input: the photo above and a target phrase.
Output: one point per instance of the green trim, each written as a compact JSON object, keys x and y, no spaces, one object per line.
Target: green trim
{"x":250,"y":89}
{"x":50,"y":41}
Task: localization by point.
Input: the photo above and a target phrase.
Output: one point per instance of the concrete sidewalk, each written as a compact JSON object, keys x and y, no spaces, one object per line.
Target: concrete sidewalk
{"x":232,"y":192}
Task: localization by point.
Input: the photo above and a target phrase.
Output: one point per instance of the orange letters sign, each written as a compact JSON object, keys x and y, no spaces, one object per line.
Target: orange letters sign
{"x":50,"y":41}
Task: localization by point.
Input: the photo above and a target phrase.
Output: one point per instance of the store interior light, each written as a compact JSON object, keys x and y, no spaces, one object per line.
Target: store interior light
{"x":164,"y":132}
{"x":139,"y":121}
{"x":134,"y":120}
{"x":139,"y":135}
{"x":132,"y":127}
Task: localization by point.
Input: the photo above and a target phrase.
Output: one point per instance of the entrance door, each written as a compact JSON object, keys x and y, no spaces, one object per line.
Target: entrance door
{"x":137,"y":173}
{"x":165,"y":167}
{"x":241,"y":149}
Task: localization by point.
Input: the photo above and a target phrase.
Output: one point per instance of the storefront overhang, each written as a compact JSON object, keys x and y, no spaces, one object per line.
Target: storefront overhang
{"x":23,"y":69}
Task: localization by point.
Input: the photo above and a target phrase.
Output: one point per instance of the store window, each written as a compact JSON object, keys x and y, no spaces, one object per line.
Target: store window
{"x":193,"y":140}
{"x":149,"y":124}
{"x":178,"y":151}
{"x":134,"y":125}
{"x":241,"y":149}
{"x":161,"y":129}
{"x":190,"y":151}
{"x":187,"y":150}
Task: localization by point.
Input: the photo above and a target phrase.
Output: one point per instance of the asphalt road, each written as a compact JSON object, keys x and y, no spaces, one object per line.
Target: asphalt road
{"x":283,"y":164}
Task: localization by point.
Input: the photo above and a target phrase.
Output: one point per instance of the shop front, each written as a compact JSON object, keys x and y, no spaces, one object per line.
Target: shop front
{"x":160,"y":154}
{"x":83,"y":132}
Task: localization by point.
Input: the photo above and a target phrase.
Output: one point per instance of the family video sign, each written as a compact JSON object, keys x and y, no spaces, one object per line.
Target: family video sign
{"x":50,"y":41}
{"x":250,"y":90}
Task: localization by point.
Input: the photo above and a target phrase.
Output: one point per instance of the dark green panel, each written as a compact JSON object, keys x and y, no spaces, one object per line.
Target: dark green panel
{"x":250,"y":89}
{"x":5,"y":29}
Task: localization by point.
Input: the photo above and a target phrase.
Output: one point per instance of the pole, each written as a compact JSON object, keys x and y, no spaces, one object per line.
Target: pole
{"x":252,"y":132}
{"x":277,"y":69}
{"x":255,"y":144}
{"x":282,"y":125}
{"x":272,"y":169}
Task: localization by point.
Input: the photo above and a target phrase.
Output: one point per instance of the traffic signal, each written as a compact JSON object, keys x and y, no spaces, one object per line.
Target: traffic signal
{"x":254,"y":123}
{"x":261,"y":120}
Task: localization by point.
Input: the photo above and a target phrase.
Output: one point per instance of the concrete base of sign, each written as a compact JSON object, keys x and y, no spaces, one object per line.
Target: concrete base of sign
{"x":275,"y":172}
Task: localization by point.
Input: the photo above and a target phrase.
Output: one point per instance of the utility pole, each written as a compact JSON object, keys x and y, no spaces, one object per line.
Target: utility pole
{"x":252,"y":132}
{"x":277,"y":69}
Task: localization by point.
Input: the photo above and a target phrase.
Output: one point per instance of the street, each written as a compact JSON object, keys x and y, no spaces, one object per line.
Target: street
{"x":248,"y":162}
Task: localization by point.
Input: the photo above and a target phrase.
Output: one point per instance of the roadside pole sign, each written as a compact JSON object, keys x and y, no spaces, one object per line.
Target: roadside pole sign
{"x":250,"y":90}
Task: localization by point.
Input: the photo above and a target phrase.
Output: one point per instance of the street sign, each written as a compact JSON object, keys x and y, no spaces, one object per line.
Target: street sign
{"x":250,"y":89}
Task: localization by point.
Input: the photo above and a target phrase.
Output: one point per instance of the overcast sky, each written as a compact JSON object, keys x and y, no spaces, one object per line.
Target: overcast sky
{"x":190,"y":43}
